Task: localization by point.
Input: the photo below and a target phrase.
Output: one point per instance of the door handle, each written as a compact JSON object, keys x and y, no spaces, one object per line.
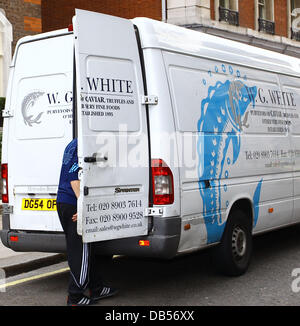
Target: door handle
{"x":90,"y":159}
{"x":94,"y":159}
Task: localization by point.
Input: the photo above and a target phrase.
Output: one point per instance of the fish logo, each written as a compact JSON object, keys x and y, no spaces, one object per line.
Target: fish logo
{"x":223,"y":117}
{"x":29,"y":107}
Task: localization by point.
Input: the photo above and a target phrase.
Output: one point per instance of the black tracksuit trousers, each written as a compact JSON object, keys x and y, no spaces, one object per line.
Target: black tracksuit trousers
{"x":83,"y":263}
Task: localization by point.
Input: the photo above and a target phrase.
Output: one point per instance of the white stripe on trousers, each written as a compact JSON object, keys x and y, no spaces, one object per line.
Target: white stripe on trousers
{"x":84,"y":301}
{"x":104,"y":291}
{"x":84,"y":264}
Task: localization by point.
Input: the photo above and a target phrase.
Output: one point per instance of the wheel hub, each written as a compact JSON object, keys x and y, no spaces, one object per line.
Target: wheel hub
{"x":238,"y":242}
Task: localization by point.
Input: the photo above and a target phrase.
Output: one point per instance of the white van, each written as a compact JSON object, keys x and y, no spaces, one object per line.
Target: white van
{"x":185,"y":140}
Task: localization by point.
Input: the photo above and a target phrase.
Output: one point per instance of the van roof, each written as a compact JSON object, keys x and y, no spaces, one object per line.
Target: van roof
{"x":156,"y":34}
{"x":31,"y":38}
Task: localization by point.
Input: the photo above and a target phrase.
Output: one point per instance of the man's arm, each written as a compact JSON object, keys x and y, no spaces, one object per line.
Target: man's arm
{"x":75,"y":184}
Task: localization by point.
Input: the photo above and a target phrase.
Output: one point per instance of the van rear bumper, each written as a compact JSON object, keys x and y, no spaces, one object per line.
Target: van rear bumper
{"x":163,"y":243}
{"x":33,"y":241}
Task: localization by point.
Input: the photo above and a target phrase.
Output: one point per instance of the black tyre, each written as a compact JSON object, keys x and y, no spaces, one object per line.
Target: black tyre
{"x":232,"y":256}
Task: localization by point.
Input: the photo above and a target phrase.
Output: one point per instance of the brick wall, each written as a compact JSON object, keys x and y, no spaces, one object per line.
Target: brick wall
{"x":247,"y":14}
{"x":58,"y":14}
{"x":280,"y":14}
{"x":212,"y":10}
{"x":24,"y":15}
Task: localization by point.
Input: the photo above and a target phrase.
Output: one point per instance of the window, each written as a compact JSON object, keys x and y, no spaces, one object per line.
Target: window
{"x":294,"y":4}
{"x":229,"y":4}
{"x":265,"y":16}
{"x":228,"y":11}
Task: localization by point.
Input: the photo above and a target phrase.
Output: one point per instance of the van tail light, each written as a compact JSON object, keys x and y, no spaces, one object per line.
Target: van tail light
{"x":4,"y":175}
{"x":162,"y":183}
{"x":70,"y":28}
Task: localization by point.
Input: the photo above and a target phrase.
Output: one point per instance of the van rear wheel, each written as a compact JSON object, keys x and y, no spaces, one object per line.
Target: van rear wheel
{"x":232,"y":256}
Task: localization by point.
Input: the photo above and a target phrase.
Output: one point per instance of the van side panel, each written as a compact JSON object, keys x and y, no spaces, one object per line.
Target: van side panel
{"x":234,"y":121}
{"x":39,"y":128}
{"x":290,"y":87}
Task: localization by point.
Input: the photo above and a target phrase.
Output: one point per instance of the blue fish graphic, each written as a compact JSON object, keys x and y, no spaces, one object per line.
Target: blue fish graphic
{"x":223,"y":115}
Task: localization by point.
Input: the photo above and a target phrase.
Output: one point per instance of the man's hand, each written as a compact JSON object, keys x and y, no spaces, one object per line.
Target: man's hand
{"x":74,"y":217}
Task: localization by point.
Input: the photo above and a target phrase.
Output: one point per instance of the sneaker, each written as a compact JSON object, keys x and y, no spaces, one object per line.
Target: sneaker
{"x":81,"y":301}
{"x":103,"y":293}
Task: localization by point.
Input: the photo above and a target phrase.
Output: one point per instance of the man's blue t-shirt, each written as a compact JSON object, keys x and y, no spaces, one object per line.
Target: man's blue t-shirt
{"x":69,"y":172}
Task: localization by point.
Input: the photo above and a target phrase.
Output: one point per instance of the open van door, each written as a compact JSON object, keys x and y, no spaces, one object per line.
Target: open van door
{"x":112,"y":129}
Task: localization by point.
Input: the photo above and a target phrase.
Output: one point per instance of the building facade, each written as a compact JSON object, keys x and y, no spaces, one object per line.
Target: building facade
{"x":24,"y":15}
{"x":58,"y":14}
{"x":18,"y":18}
{"x":263,"y":23}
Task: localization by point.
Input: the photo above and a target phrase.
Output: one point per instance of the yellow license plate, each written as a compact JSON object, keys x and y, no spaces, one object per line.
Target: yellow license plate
{"x":38,"y":204}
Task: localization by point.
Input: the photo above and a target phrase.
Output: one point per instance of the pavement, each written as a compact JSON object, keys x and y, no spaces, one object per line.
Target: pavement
{"x":14,"y":263}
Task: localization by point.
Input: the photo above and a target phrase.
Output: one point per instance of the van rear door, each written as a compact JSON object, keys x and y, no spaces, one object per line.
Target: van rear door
{"x":112,"y":129}
{"x":38,"y":125}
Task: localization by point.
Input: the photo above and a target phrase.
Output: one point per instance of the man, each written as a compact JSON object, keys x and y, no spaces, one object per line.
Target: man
{"x":84,"y":267}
